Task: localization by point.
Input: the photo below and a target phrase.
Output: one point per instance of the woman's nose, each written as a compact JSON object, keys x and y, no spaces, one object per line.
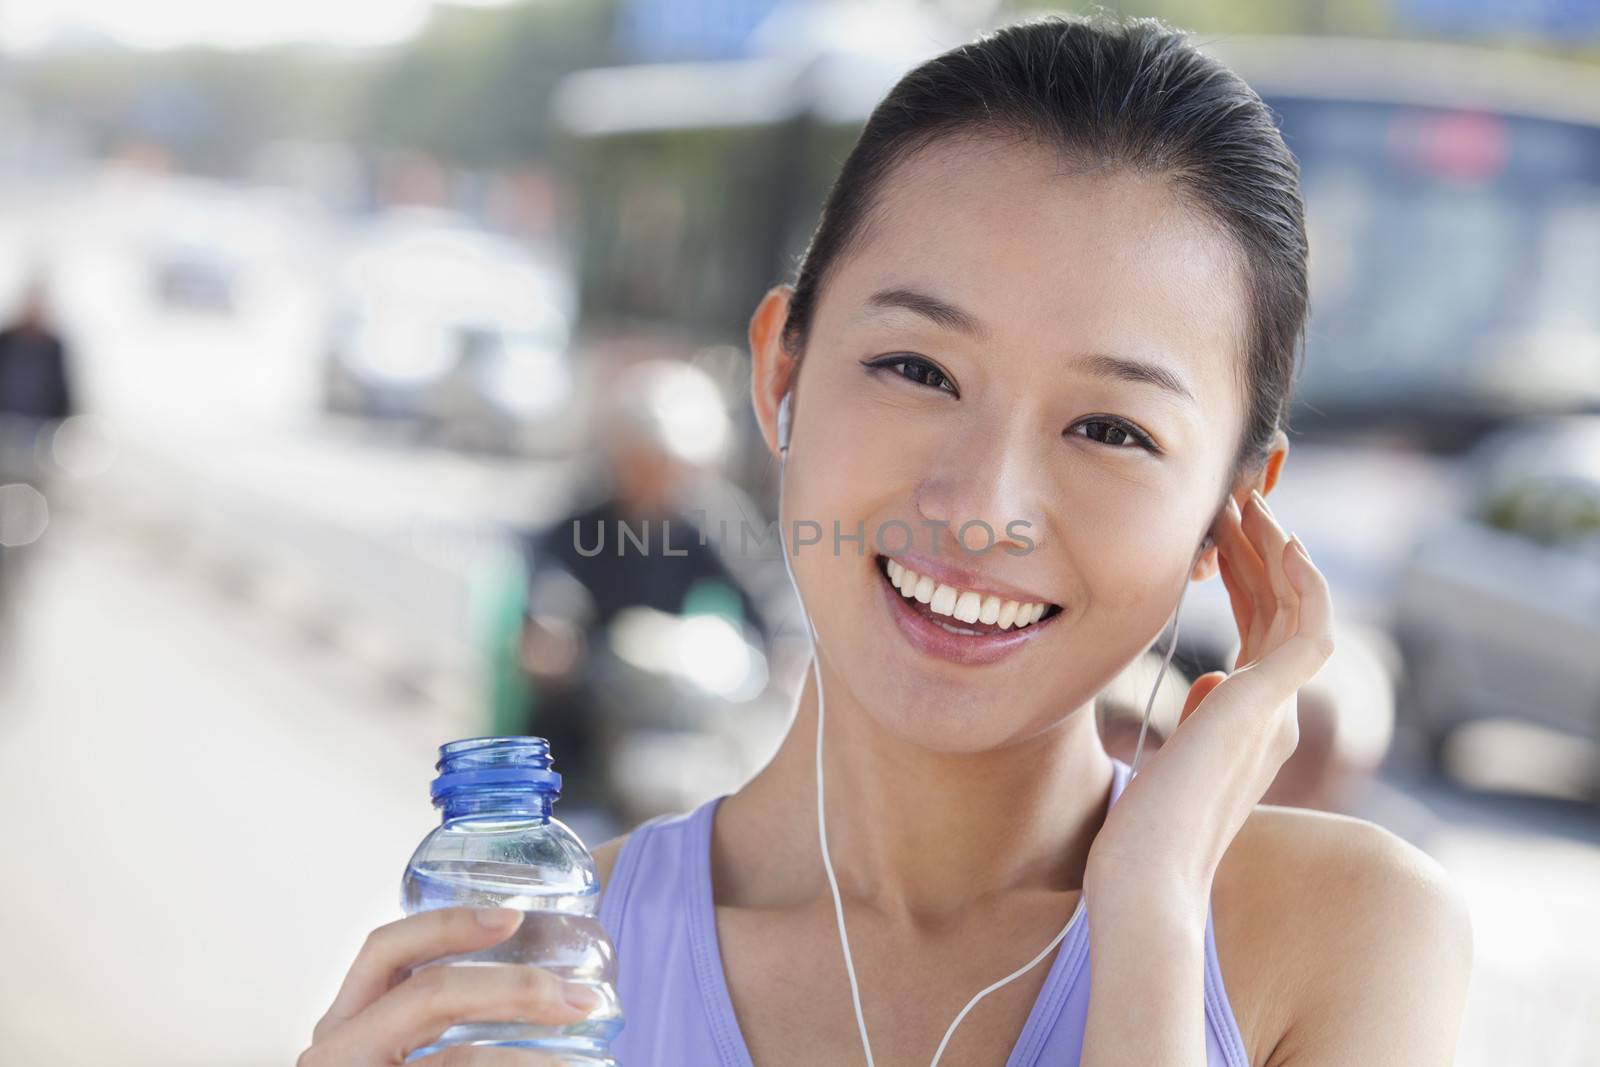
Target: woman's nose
{"x":985,"y":492}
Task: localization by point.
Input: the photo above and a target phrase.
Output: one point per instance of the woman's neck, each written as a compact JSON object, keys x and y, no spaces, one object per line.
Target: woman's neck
{"x":914,"y":834}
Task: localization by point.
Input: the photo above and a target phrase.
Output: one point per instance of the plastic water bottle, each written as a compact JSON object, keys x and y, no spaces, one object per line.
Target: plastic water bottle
{"x":498,"y":846}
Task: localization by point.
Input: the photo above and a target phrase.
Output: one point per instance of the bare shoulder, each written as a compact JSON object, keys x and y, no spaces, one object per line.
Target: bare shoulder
{"x":605,"y":857}
{"x":1340,"y":942}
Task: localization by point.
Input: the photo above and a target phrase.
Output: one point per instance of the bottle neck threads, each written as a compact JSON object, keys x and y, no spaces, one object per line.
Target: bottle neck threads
{"x":485,"y":777}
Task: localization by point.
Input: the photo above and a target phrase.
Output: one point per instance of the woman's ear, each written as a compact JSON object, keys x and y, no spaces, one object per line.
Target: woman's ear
{"x":771,"y":366}
{"x":1263,"y":482}
{"x":1274,"y":465}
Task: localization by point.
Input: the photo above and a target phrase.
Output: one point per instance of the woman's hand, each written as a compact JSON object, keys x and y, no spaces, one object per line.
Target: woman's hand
{"x":1169,"y":829}
{"x":383,"y":1013}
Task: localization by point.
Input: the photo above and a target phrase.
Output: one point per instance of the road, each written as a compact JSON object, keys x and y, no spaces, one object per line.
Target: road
{"x":207,"y":813}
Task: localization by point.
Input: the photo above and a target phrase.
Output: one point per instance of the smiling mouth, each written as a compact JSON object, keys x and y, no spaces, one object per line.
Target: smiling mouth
{"x":965,"y":613}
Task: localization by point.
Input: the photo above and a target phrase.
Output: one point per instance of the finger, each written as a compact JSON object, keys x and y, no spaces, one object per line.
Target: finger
{"x":478,"y":1056}
{"x":1201,"y":689}
{"x":433,"y":999}
{"x":1275,"y":682}
{"x":396,"y":947}
{"x":1243,"y":608}
{"x":1315,"y":631}
{"x":1270,"y":539}
{"x":1245,"y":577}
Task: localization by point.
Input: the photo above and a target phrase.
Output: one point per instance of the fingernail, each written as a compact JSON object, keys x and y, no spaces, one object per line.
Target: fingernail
{"x":499,"y":918}
{"x":581,"y":996}
{"x":1299,"y":546}
{"x":1261,"y":501}
{"x":1233,"y":506}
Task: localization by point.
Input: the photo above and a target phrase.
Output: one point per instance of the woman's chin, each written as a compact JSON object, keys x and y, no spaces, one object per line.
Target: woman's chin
{"x":938,"y":720}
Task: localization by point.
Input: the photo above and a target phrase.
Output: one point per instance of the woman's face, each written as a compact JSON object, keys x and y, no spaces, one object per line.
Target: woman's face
{"x":966,"y":366}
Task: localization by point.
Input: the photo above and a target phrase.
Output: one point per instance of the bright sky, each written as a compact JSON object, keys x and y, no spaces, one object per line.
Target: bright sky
{"x":27,"y":24}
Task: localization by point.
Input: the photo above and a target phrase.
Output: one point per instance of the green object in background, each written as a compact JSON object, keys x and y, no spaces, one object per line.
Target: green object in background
{"x":500,"y":597}
{"x":713,"y":596}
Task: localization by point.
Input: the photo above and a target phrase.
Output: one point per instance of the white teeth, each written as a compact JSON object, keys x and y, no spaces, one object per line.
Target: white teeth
{"x":960,"y":604}
{"x":904,"y":578}
{"x":990,"y":610}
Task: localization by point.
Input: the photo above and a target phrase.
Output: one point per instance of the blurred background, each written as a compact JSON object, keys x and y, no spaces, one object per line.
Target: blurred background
{"x":315,"y":318}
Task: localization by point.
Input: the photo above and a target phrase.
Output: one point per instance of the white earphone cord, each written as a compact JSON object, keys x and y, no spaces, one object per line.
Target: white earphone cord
{"x":822,"y":825}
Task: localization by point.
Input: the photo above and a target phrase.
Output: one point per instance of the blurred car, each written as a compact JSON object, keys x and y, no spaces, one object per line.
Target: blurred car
{"x":463,"y":335}
{"x":1498,"y":611}
{"x":194,"y":274}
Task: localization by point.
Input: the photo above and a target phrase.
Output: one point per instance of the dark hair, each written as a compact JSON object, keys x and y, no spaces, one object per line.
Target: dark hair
{"x":1107,"y":93}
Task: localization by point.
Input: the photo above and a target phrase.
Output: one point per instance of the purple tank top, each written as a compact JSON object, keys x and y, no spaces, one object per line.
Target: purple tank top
{"x":657,"y":909}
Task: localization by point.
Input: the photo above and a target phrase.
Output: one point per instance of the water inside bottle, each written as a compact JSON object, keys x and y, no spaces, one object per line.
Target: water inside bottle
{"x":569,"y":943}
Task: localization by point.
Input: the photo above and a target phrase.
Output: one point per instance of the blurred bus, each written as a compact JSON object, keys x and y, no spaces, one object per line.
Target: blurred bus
{"x":1453,"y":197}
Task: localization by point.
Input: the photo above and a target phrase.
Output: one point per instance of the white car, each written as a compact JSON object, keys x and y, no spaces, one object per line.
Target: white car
{"x":463,"y":334}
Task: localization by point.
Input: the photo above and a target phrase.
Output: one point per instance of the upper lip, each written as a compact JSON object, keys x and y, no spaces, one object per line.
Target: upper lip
{"x":966,"y":579}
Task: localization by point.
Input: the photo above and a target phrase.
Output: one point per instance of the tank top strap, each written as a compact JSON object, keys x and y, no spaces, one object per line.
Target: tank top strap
{"x":1120,"y":773}
{"x":1224,"y":1027}
{"x":658,"y":911}
{"x":619,"y":887}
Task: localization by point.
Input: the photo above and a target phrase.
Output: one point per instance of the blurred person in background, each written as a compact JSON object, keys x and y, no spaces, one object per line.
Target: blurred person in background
{"x":1346,"y":714}
{"x":1119,"y":709}
{"x":35,"y":390}
{"x":662,"y":427}
{"x":35,"y":396}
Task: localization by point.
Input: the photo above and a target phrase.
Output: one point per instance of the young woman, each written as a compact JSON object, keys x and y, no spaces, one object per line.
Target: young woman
{"x":1057,"y":293}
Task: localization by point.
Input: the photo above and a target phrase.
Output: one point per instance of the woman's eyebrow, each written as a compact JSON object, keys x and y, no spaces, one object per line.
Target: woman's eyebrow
{"x":1105,"y":365}
{"x":943,"y":313}
{"x":940,"y":312}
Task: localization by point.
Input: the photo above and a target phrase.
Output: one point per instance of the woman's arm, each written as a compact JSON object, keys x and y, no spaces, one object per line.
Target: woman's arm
{"x":1151,"y":866}
{"x":1147,"y":994}
{"x":1365,"y":946}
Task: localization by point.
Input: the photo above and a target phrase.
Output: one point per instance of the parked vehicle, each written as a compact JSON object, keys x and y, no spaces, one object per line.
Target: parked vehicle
{"x":1498,"y":609}
{"x":454,"y":333}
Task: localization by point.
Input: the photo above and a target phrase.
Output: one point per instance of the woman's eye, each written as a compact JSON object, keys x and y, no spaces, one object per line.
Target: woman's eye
{"x":919,"y":370}
{"x":1117,"y":433}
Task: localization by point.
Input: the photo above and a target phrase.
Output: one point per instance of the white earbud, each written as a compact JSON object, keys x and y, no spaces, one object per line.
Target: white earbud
{"x":783,"y":422}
